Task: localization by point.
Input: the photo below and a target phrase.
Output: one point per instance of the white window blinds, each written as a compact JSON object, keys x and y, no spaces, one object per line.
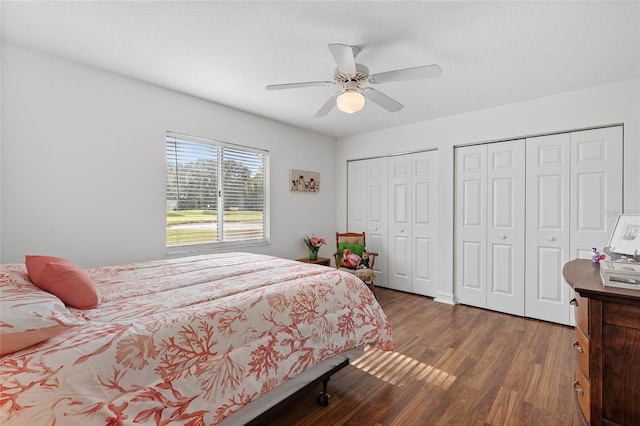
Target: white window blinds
{"x":217,"y":193}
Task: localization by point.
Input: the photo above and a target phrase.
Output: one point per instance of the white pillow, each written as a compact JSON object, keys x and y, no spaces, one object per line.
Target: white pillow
{"x":29,"y":315}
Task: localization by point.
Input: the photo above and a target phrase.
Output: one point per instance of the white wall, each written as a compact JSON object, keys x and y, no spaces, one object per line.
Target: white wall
{"x":82,"y":169}
{"x":603,"y":105}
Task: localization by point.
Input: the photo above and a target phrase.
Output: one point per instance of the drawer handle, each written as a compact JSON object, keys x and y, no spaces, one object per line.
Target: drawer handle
{"x":578,"y":389}
{"x":573,"y":302}
{"x":577,"y":346}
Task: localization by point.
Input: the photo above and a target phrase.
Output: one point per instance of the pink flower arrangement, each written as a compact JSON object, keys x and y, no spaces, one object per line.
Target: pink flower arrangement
{"x":313,"y":242}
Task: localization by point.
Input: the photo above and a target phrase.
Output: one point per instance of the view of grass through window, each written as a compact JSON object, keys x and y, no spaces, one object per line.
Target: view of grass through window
{"x":216,"y":192}
{"x":176,"y":231}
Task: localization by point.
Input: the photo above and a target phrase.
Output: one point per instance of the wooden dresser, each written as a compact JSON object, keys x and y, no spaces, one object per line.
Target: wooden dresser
{"x":607,"y":347}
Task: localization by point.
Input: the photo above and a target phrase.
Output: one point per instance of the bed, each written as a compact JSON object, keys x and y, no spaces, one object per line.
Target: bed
{"x":200,"y":340}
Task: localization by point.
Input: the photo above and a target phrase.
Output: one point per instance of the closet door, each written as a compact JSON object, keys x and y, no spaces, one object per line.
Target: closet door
{"x":356,"y":195}
{"x":548,"y":174}
{"x":574,"y":195}
{"x":367,"y":207}
{"x":377,"y":216}
{"x":506,"y":226}
{"x":424,"y":229}
{"x":489,"y":226}
{"x":471,"y":225}
{"x":400,"y":222}
{"x":596,"y":188}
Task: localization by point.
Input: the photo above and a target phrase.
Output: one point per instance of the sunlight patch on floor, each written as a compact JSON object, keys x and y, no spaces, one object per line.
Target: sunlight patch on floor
{"x":398,"y":369}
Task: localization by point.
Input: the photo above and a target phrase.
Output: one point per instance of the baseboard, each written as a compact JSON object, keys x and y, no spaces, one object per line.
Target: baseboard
{"x":445,"y":298}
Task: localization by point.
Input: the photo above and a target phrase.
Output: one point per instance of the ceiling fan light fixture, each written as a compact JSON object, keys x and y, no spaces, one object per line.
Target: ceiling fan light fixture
{"x":350,"y":101}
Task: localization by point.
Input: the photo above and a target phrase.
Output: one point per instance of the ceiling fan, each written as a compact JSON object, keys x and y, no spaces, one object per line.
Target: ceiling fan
{"x":350,"y":76}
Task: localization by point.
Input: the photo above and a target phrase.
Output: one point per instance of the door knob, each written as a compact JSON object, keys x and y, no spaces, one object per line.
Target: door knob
{"x":550,"y":238}
{"x":503,"y":237}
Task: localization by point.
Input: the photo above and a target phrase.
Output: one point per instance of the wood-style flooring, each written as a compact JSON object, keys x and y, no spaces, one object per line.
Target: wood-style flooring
{"x":451,"y":365}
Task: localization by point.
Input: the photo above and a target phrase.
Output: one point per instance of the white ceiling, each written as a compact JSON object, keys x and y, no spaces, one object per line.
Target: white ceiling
{"x":491,"y":52}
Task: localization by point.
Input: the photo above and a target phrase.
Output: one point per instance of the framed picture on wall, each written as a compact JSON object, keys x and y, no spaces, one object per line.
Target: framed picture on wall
{"x":303,"y":180}
{"x":625,"y":238}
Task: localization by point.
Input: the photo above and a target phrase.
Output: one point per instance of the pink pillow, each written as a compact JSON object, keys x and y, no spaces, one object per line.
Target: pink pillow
{"x":58,"y":276}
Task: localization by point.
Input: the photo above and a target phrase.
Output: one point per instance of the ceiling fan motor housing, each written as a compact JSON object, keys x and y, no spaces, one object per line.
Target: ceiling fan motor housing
{"x":361,"y":76}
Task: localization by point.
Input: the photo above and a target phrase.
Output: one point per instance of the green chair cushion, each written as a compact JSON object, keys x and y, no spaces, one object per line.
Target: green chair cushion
{"x":355,"y":249}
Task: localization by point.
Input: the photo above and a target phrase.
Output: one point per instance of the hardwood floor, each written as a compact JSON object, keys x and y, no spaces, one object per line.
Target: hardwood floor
{"x":451,"y":365}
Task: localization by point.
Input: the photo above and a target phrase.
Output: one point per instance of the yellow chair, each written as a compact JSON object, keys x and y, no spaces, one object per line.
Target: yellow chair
{"x":356,"y":242}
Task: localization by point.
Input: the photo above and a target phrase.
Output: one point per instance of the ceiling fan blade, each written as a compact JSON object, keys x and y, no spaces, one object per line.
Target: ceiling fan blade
{"x":381,"y":99}
{"x":344,"y":57}
{"x":327,"y":107}
{"x":298,"y":85}
{"x":417,"y":73}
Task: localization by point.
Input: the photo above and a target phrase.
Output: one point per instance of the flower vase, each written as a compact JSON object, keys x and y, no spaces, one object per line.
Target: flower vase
{"x":313,"y":254}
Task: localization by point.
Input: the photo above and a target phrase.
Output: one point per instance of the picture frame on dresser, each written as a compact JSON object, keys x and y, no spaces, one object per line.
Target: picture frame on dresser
{"x":625,"y":238}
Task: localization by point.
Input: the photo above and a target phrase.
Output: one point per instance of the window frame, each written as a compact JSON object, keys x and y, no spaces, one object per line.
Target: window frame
{"x":220,"y":146}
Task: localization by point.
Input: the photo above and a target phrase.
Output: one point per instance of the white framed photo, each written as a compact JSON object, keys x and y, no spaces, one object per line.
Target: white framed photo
{"x":303,"y":180}
{"x":625,"y":238}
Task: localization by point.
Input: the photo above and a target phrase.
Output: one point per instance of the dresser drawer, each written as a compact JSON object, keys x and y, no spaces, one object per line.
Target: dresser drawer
{"x":581,"y":348}
{"x":582,"y":388}
{"x":582,"y":313}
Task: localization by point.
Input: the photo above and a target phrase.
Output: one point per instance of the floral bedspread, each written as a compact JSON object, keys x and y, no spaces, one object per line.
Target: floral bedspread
{"x":188,"y":341}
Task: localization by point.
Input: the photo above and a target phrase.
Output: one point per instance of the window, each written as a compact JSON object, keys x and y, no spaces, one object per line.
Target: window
{"x":217,"y":194}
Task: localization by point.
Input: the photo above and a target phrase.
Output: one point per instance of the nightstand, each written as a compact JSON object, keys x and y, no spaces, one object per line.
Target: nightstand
{"x":320,"y":261}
